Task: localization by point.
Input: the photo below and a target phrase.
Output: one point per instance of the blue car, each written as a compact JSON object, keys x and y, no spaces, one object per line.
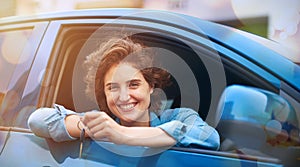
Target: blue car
{"x":249,"y":92}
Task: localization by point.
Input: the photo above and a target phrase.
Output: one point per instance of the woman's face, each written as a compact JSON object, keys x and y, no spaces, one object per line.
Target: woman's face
{"x":127,"y":94}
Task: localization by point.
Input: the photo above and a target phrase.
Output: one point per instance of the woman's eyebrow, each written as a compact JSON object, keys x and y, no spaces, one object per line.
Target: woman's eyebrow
{"x":110,"y":83}
{"x":134,"y":80}
{"x":113,"y":83}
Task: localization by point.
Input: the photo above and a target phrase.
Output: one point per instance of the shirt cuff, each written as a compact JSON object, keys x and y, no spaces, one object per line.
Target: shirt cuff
{"x":56,"y":124}
{"x":175,"y":128}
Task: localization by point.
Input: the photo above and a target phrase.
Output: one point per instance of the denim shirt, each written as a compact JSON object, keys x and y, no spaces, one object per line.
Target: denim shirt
{"x":183,"y":124}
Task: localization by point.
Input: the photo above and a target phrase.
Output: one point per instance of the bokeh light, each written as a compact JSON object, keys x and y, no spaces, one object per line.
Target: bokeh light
{"x":12,"y":47}
{"x":283,"y":19}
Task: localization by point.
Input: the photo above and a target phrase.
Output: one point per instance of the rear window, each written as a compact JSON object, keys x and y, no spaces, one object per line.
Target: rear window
{"x":13,"y":76}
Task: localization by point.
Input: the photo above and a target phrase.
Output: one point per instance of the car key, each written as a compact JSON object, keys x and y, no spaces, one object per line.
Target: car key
{"x":82,"y":135}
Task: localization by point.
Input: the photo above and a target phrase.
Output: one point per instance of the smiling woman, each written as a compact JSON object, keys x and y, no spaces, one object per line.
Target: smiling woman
{"x":126,"y":86}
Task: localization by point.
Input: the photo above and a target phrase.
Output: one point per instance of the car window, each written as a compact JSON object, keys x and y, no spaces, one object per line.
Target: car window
{"x":13,"y":76}
{"x":18,"y":46}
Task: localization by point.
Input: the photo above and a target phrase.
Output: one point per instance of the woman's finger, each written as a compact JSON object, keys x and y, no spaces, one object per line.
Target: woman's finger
{"x":92,"y":115}
{"x":101,"y":119}
{"x":97,"y":125}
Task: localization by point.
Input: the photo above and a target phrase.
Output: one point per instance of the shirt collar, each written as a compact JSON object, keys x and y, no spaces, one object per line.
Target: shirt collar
{"x":154,"y":120}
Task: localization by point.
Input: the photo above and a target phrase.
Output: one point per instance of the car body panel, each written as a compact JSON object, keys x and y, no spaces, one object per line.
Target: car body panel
{"x":36,"y":151}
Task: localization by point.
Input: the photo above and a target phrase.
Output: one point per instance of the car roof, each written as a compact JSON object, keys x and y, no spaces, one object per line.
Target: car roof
{"x":251,"y":47}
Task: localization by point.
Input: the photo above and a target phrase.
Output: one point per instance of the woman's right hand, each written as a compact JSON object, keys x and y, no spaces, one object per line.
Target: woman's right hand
{"x":100,"y":126}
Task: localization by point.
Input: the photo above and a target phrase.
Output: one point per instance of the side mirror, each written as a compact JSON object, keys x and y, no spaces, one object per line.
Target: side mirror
{"x":259,"y":122}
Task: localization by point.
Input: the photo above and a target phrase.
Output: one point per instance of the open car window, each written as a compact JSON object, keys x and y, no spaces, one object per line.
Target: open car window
{"x":186,"y":61}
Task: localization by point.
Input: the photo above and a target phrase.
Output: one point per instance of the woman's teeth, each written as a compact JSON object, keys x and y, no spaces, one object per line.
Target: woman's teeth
{"x":126,"y":106}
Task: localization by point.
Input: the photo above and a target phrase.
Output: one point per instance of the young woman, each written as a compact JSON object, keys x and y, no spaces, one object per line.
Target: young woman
{"x":124,"y":83}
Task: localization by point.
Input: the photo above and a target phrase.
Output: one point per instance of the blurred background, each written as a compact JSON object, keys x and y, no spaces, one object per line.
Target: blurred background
{"x":277,"y":20}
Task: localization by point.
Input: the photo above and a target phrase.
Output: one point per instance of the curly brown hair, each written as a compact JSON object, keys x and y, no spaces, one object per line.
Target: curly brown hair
{"x":125,"y":50}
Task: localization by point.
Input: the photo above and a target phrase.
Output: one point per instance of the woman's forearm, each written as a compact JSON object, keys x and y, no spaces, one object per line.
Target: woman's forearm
{"x":71,"y":122}
{"x":147,"y":136}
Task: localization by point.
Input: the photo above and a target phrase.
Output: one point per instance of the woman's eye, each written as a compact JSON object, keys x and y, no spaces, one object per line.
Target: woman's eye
{"x":113,"y":88}
{"x":134,"y":85}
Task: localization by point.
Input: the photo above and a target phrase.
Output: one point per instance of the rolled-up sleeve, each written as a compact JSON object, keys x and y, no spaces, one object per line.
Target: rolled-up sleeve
{"x":49,"y":123}
{"x":189,"y":130}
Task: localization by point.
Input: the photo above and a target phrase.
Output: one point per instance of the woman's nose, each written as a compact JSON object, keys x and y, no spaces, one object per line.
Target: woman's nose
{"x":124,"y":95}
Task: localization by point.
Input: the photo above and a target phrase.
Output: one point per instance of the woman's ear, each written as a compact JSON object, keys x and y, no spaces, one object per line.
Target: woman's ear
{"x":151,"y":89}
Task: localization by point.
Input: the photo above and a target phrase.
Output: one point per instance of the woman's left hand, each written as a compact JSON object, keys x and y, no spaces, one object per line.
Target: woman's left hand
{"x":100,"y":126}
